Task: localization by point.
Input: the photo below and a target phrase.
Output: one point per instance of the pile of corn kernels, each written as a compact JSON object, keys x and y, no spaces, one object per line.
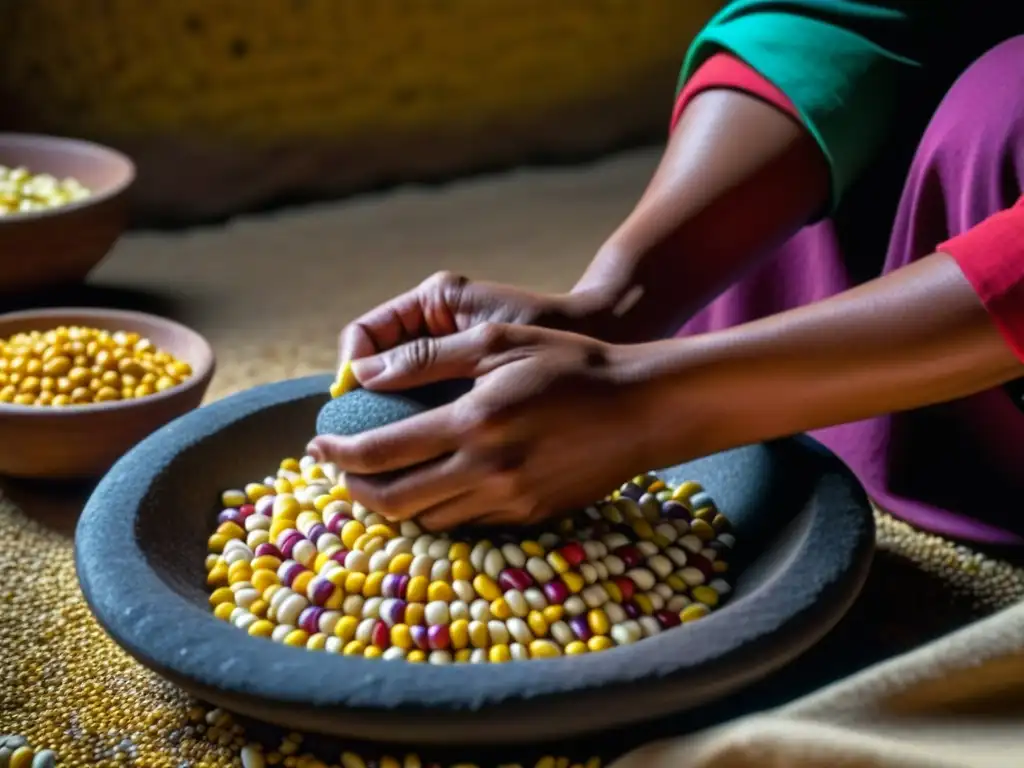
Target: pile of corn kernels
{"x":295,"y":560}
{"x":78,"y":366}
{"x":22,"y":191}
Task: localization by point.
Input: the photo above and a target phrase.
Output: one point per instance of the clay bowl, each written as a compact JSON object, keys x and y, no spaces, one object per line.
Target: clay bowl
{"x":83,"y":441}
{"x":141,"y":543}
{"x":39,"y":249}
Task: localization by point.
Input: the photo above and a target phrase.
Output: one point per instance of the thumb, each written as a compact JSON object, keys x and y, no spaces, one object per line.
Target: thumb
{"x":426,"y":360}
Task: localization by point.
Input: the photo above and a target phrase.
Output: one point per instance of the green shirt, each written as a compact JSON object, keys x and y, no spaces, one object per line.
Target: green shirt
{"x":857,"y":70}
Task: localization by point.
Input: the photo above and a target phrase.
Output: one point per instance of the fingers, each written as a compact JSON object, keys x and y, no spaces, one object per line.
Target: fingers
{"x":408,"y":494}
{"x":468,"y":508}
{"x":401,"y":445}
{"x":469,"y":354}
{"x":473,"y":508}
{"x":428,"y":309}
{"x":504,"y":517}
{"x":356,"y":341}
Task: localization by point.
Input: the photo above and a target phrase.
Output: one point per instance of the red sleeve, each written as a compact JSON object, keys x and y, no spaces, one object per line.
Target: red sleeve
{"x":724,"y":70}
{"x":991,"y":256}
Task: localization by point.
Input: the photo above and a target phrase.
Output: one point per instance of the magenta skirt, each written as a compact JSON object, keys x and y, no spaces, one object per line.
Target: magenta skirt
{"x":955,"y":469}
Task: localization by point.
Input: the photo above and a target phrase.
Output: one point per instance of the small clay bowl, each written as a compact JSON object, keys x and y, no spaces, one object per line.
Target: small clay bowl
{"x":804,"y":522}
{"x":82,"y":441}
{"x":62,"y":245}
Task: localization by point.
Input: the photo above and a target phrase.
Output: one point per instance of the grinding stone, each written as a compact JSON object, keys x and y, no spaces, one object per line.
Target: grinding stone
{"x":361,"y":409}
{"x":141,"y":544}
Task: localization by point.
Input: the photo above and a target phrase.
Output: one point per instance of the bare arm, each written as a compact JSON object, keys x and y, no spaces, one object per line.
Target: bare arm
{"x":913,"y":338}
{"x":737,"y":176}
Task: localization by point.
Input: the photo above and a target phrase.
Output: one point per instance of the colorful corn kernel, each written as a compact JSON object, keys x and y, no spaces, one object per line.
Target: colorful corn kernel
{"x":330,"y":575}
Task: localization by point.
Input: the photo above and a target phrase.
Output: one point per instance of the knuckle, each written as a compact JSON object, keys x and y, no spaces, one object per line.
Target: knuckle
{"x":445,"y":281}
{"x":419,"y":353}
{"x":441,"y":297}
{"x":507,"y":477}
{"x":482,"y":421}
{"x":451,"y":288}
{"x":492,"y":338}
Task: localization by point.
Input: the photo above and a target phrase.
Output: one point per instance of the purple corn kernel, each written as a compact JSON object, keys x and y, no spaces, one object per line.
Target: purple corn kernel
{"x":230,"y":516}
{"x":556,"y":592}
{"x":289,"y":571}
{"x":580,"y":628}
{"x":339,"y":556}
{"x":631,"y":609}
{"x":403,"y":585}
{"x":284,"y":535}
{"x":309,"y":619}
{"x":667,"y":619}
{"x":264,"y":505}
{"x":673,"y":510}
{"x":266,"y":548}
{"x":393,"y":611}
{"x":515,"y":578}
{"x":394,"y":585}
{"x":629,"y":555}
{"x":321,"y":590}
{"x":631,"y":491}
{"x":316,"y":531}
{"x":289,"y":544}
{"x":438,"y":637}
{"x":701,"y":563}
{"x":389,"y":586}
{"x":419,"y":636}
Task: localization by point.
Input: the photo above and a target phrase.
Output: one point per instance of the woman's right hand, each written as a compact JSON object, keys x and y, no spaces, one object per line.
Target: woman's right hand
{"x":446,"y":303}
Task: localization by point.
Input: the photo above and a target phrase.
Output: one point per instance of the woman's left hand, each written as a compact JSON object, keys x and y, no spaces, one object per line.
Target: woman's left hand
{"x":555,"y":421}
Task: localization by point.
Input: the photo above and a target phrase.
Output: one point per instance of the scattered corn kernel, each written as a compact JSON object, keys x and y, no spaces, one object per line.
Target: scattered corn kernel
{"x":345,"y":380}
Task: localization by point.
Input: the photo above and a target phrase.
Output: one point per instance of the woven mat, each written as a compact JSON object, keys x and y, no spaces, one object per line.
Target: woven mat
{"x":65,"y":686}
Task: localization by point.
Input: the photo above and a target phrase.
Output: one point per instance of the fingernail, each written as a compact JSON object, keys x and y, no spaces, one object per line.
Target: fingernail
{"x":368,"y":368}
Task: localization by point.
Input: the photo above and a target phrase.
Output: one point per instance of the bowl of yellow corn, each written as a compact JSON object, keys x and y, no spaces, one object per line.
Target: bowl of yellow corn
{"x":63,"y":205}
{"x":79,"y":387}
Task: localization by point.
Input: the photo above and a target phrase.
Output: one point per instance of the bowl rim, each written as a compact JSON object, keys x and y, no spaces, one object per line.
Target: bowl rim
{"x":94,"y":198}
{"x":201,"y":371}
{"x":119,"y":583}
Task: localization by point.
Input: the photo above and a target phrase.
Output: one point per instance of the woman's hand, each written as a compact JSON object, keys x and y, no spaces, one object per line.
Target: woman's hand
{"x":555,"y":421}
{"x":732,"y":157}
{"x":447,"y":303}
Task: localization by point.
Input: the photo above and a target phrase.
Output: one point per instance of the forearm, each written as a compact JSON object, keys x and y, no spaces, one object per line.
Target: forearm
{"x":738,"y":176}
{"x":913,"y":338}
